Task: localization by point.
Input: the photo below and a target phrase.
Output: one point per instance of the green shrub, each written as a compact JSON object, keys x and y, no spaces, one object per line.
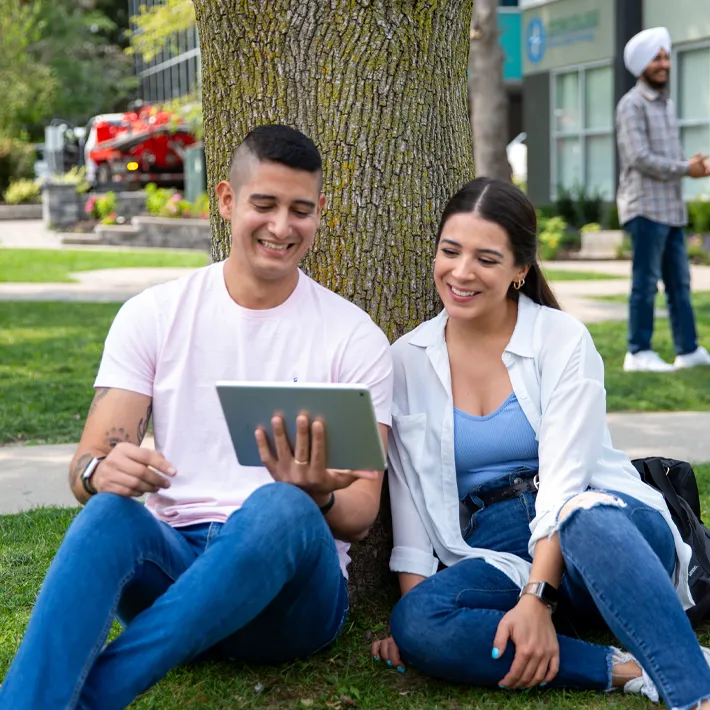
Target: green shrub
{"x":591,"y":227}
{"x":157,"y":198}
{"x":699,"y":216}
{"x":578,"y":207}
{"x":611,"y":217}
{"x":17,"y":160}
{"x":168,"y":202}
{"x":565,"y":206}
{"x":201,"y":206}
{"x":21,"y":191}
{"x":551,"y":236}
{"x":74,"y":176}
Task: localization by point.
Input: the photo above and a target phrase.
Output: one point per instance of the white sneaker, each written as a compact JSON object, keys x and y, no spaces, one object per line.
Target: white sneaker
{"x":699,"y":356}
{"x":643,"y":685}
{"x":647,"y":361}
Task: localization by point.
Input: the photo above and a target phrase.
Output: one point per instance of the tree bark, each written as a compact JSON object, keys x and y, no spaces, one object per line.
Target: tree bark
{"x":380,"y":86}
{"x":488,"y":99}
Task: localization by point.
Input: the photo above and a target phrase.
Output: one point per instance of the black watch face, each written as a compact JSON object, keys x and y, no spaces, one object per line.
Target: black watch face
{"x":549,"y":594}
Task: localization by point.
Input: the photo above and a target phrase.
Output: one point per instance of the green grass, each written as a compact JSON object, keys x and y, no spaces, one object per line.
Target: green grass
{"x":564,"y":275}
{"x":49,"y":356}
{"x":335,"y":678}
{"x":648,"y":391}
{"x":50,"y":352}
{"x":56,"y":265}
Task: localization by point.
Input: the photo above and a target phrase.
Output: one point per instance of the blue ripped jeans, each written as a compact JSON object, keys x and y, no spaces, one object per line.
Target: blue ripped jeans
{"x":618,"y":561}
{"x":265,"y":587}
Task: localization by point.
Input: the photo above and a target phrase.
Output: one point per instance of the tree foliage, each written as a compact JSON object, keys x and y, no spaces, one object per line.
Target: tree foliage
{"x":157,"y":26}
{"x":58,"y":58}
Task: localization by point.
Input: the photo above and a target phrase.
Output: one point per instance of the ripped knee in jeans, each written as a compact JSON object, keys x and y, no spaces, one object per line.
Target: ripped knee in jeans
{"x":585,"y":501}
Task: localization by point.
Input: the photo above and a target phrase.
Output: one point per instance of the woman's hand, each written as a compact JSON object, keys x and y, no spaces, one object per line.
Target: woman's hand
{"x":537,"y":653}
{"x":386,"y":650}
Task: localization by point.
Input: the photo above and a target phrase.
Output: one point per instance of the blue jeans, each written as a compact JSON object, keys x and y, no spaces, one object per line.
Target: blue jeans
{"x":618,"y":564}
{"x":659,"y":252}
{"x":265,"y":586}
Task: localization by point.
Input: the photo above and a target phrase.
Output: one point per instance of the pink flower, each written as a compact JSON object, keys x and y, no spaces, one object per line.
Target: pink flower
{"x":89,"y":206}
{"x":176,"y":197}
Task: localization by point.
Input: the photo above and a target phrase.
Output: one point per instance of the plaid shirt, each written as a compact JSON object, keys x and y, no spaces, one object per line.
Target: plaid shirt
{"x":650,"y":158}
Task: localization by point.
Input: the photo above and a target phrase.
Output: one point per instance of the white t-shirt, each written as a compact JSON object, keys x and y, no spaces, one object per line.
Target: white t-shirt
{"x":173,"y":342}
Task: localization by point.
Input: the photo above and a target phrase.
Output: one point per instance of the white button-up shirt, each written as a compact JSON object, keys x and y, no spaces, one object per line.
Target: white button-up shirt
{"x":558,"y":378}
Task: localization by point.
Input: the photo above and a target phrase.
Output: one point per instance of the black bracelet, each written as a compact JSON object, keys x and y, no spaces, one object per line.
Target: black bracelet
{"x":325,"y":509}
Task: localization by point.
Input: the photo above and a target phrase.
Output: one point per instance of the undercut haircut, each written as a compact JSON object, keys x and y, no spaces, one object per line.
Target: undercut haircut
{"x":275,"y":144}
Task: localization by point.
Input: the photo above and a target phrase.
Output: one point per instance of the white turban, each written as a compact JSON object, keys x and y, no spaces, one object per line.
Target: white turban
{"x":641,"y":49}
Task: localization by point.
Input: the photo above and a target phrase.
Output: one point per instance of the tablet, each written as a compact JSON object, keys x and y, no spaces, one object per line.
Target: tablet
{"x":352,"y":438}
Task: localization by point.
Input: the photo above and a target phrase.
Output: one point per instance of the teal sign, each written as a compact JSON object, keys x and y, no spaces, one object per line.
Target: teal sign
{"x":509,"y":24}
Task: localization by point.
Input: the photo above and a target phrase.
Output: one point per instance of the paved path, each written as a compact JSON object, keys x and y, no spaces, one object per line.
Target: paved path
{"x":93,"y":286}
{"x":29,"y":233}
{"x":582,"y":297}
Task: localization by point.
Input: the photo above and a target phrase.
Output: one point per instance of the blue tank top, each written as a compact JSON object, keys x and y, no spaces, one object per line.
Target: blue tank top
{"x":490,"y":447}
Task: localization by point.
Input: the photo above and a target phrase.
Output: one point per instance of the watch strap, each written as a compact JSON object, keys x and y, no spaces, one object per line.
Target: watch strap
{"x":325,"y":509}
{"x":545,"y":592}
{"x":88,"y":473}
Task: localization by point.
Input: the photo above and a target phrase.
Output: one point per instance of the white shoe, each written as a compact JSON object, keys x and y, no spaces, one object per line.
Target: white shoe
{"x":699,"y":356}
{"x":647,"y":361}
{"x":643,"y":685}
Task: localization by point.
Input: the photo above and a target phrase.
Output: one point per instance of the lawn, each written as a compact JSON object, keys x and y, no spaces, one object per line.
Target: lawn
{"x":646,"y":391}
{"x":56,"y":265}
{"x":343,"y":676}
{"x":49,"y":355}
{"x":50,"y":352}
{"x":564,"y":275}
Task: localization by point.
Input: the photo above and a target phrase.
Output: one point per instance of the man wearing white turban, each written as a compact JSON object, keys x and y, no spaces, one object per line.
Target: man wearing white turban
{"x":651,"y":206}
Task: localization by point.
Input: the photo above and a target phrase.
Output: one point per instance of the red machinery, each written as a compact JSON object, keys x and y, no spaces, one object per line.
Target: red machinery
{"x":137,"y":147}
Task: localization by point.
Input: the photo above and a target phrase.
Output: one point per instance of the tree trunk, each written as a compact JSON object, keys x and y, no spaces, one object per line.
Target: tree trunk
{"x":380,"y":86}
{"x":488,"y":100}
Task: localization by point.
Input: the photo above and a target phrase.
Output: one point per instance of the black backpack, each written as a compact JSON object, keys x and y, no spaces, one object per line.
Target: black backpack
{"x":676,"y":481}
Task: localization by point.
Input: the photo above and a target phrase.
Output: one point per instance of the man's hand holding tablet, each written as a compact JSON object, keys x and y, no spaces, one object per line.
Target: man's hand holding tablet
{"x":304,"y":466}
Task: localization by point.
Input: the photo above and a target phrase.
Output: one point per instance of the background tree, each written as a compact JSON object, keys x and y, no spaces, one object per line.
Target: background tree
{"x":59,"y":58}
{"x":488,"y":100}
{"x":380,"y":85}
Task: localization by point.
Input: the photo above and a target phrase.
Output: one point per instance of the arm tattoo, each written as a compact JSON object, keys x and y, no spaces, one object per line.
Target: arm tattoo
{"x":116,"y":436}
{"x":81,"y":464}
{"x":100,"y":394}
{"x":143,"y":424}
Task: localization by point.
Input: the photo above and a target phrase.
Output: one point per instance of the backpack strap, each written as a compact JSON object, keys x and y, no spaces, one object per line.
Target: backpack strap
{"x":656,"y":471}
{"x":684,"y":514}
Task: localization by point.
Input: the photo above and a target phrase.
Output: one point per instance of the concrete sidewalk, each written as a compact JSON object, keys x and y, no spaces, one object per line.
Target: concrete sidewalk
{"x":93,"y":286}
{"x":32,"y":476}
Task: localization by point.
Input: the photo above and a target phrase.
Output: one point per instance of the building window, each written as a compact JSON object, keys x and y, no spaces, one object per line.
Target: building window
{"x":693,"y":106}
{"x":583,"y":131}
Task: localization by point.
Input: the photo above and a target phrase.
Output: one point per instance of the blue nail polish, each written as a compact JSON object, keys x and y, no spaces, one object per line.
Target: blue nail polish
{"x":495,"y":653}
{"x":505,"y":687}
{"x":375,"y":658}
{"x":543,"y":684}
{"x":389,"y":664}
{"x":401,"y":669}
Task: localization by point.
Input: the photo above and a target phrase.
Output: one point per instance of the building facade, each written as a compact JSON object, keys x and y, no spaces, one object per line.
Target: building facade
{"x":175,"y":71}
{"x":573,"y":76}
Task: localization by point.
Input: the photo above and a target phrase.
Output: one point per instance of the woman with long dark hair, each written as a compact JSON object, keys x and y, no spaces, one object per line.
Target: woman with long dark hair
{"x":501,"y":469}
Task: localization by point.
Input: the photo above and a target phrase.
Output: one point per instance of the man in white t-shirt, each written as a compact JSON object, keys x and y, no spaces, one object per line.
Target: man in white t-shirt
{"x":223,"y":560}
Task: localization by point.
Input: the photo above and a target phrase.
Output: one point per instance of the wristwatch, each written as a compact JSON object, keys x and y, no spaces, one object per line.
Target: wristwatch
{"x":545,"y":592}
{"x":88,"y":473}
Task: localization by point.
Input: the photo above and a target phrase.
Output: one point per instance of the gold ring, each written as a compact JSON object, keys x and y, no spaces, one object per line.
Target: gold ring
{"x":301,"y":463}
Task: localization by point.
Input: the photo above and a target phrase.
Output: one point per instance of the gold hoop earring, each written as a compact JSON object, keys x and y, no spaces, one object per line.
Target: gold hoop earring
{"x":517,"y":285}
